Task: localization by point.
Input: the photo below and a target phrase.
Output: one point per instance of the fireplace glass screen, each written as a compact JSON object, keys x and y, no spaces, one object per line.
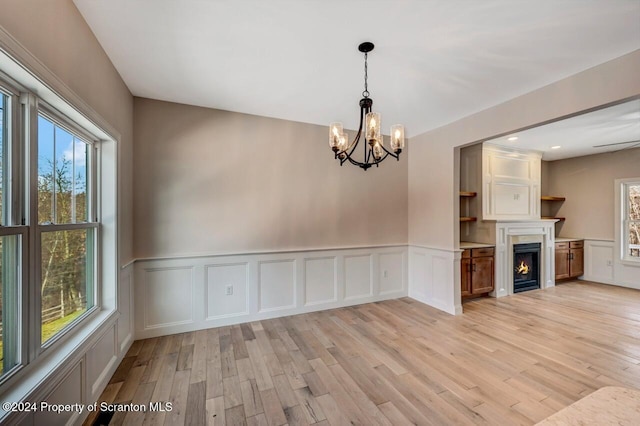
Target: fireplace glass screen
{"x":526,"y":267}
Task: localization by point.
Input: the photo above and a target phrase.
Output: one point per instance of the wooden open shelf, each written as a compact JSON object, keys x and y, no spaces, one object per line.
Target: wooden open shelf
{"x":551,"y":217}
{"x":468,"y":219}
{"x":551,"y":198}
{"x":468,"y":194}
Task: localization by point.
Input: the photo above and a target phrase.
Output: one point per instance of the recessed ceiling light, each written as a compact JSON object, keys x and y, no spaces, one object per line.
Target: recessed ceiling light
{"x":556,"y":147}
{"x":512,"y":138}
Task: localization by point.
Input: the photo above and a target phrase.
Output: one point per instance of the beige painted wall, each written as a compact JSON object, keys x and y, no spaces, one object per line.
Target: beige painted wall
{"x":588,"y":185}
{"x":433,"y":169}
{"x":55,"y":32}
{"x":211,"y":181}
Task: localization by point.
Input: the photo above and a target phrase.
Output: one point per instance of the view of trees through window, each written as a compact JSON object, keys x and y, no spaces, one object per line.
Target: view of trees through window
{"x":633,"y":192}
{"x":66,"y":252}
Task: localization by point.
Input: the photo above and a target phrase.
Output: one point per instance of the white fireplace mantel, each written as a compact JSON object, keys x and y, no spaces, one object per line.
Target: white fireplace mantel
{"x":510,"y":233}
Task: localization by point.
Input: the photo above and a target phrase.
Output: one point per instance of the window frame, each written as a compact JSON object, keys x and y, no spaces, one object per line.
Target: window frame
{"x":22,"y":221}
{"x":92,"y":224}
{"x":14,"y":218}
{"x":625,"y":222}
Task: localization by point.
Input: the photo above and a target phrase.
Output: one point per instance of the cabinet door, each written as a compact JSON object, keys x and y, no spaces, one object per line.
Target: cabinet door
{"x":465,"y":277}
{"x":576,"y":262}
{"x":481,"y":275}
{"x":562,"y":263}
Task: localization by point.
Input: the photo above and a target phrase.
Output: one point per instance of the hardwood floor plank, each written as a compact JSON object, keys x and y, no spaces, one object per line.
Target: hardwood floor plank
{"x":227,"y":359}
{"x":272,"y":407}
{"x":123,"y":369}
{"x":141,"y":397}
{"x":199,"y":362}
{"x":285,"y":393}
{"x":185,"y":358}
{"x":251,"y":398}
{"x":130,"y":385}
{"x":146,"y":352}
{"x":239,"y":348}
{"x":259,"y":420}
{"x":178,"y":399}
{"x":215,"y":411}
{"x":263,"y":378}
{"x":295,"y":416}
{"x":162,"y":389}
{"x":234,"y":416}
{"x":393,"y":414}
{"x":311,"y":408}
{"x":232,"y":392}
{"x":196,"y":404}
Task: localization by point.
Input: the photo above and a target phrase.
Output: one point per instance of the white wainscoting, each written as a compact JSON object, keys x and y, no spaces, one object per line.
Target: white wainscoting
{"x":598,"y":261}
{"x":435,"y":277}
{"x":603,"y":265}
{"x":184,"y":294}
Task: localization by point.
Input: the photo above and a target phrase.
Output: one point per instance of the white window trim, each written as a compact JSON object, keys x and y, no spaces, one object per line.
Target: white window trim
{"x":621,"y":249}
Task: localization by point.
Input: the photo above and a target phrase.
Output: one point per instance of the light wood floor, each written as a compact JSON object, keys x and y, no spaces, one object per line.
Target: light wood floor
{"x":514,"y":360}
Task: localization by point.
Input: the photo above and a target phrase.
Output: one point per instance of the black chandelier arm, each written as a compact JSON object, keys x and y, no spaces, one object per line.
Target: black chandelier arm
{"x":394,"y":155}
{"x":356,"y":140}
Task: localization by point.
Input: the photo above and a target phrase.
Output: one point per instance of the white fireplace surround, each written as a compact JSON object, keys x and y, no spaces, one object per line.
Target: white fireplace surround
{"x":510,"y":233}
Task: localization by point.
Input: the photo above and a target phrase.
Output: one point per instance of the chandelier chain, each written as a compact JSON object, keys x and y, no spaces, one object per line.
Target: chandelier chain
{"x":366,"y":87}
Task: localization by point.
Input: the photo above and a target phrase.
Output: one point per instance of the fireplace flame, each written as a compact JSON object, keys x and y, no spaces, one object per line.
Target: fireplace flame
{"x":523,"y":268}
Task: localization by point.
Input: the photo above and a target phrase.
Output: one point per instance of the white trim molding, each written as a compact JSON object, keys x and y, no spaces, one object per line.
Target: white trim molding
{"x":195,"y":293}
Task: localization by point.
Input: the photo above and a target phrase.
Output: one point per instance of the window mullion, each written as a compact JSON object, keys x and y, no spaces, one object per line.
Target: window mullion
{"x":32,"y":289}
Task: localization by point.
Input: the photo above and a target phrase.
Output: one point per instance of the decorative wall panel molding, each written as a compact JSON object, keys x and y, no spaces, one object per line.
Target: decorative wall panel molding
{"x":222,"y":279}
{"x":276,"y":285}
{"x":320,"y":280}
{"x":171,"y":289}
{"x":433,"y":272}
{"x":598,"y":261}
{"x":357,"y":277}
{"x":191,"y":293}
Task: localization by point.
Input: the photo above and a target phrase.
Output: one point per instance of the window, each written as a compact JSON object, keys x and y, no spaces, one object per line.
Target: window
{"x":66,"y":236}
{"x":49,"y":228}
{"x":631,"y":220}
{"x":11,"y":237}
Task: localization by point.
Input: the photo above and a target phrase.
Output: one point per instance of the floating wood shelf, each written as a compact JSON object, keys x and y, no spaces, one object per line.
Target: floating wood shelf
{"x":551,"y":198}
{"x":468,"y":194}
{"x":468,"y":219}
{"x":551,"y":217}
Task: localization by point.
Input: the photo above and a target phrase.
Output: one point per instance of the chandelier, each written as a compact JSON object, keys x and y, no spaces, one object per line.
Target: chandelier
{"x":374,"y":151}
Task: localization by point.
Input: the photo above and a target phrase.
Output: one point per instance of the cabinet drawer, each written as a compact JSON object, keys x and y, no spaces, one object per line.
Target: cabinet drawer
{"x":562,"y":246}
{"x":576,"y":244}
{"x":466,"y":253}
{"x":482,"y":252}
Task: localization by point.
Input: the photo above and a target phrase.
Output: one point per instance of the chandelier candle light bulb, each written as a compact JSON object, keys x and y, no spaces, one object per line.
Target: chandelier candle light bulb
{"x":335,"y":136}
{"x":397,"y":138}
{"x":369,"y":129}
{"x":373,"y":124}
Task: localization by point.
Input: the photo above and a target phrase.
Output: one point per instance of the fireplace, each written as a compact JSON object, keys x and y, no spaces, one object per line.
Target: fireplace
{"x":526,"y":267}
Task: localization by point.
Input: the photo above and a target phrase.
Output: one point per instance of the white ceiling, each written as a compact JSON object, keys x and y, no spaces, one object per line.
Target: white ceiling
{"x":435,"y":61}
{"x":583,"y":134}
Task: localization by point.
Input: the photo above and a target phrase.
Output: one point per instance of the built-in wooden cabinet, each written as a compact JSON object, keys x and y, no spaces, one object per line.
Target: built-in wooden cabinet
{"x":477,"y":271}
{"x":569,"y":259}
